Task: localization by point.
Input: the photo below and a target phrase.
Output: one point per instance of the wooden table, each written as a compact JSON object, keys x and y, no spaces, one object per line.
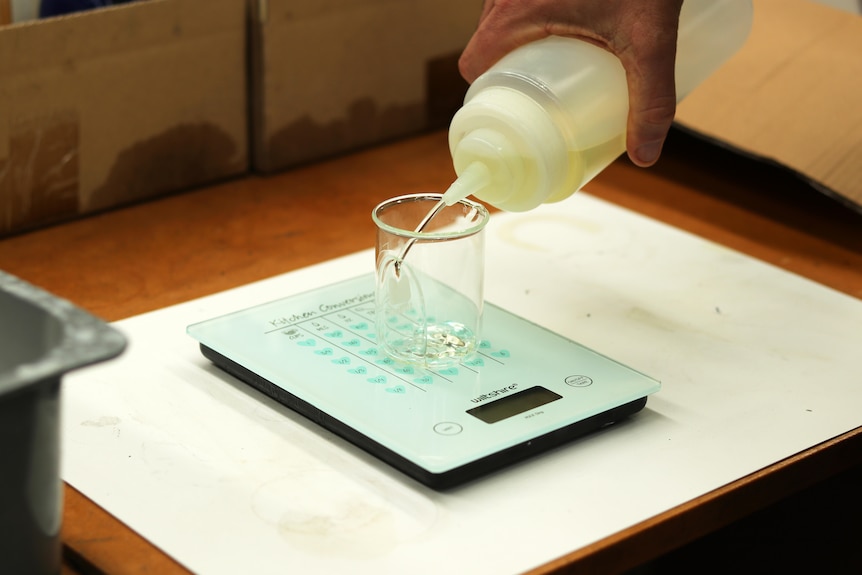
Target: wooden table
{"x":144,"y":257}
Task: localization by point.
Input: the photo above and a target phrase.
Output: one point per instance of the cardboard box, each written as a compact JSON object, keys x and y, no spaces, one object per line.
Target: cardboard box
{"x":792,"y":95}
{"x":113,"y":105}
{"x":328,"y":77}
{"x":5,"y":12}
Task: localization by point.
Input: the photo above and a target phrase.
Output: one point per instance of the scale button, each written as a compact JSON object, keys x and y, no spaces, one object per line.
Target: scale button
{"x":448,"y":428}
{"x":579,"y":381}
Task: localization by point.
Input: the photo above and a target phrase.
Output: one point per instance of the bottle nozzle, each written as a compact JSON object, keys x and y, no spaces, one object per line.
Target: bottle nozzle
{"x":471,"y":180}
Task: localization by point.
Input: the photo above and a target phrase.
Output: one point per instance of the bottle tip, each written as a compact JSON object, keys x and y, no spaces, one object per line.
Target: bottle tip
{"x":469,"y":181}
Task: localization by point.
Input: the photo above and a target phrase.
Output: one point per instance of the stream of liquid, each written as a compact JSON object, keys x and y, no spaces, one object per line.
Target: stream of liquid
{"x":409,"y":244}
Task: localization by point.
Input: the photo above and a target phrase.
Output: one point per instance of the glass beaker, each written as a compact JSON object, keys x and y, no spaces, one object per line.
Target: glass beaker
{"x":429,"y":283}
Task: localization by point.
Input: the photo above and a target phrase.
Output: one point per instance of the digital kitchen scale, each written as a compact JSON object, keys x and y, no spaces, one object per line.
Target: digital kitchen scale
{"x":524,"y":391}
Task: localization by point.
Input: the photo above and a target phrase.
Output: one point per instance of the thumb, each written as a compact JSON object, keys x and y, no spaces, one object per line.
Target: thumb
{"x":649,"y":69}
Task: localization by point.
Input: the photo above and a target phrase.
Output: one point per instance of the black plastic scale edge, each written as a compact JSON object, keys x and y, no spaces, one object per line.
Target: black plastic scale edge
{"x":438,"y":481}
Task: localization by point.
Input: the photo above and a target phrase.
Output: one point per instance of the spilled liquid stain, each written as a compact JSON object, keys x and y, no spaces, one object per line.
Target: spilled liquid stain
{"x":645,"y":317}
{"x":324,"y":513}
{"x":520,"y":232}
{"x":104,"y":421}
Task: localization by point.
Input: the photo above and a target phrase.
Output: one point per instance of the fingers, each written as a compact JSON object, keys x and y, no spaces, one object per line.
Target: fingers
{"x":649,"y":58}
{"x":503,"y":26}
{"x":641,"y":33}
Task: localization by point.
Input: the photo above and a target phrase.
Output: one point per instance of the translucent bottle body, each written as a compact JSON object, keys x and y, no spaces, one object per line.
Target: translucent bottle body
{"x":552,"y":114}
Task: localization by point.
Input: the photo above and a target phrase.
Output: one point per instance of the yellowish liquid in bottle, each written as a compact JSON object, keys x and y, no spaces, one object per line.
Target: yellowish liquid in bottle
{"x":586,"y":164}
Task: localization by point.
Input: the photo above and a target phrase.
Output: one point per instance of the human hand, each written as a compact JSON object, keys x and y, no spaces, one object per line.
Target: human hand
{"x":641,"y":33}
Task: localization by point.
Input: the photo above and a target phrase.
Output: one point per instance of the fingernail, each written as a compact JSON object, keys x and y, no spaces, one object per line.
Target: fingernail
{"x":648,"y":153}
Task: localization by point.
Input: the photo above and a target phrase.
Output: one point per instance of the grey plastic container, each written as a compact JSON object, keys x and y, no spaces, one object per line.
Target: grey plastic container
{"x":42,"y":337}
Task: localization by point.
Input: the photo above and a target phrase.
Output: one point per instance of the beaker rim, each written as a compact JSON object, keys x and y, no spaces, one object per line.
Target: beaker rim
{"x":482,"y":216}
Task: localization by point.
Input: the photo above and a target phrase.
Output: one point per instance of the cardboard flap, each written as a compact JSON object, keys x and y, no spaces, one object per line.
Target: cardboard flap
{"x":104,"y":107}
{"x":791,"y":95}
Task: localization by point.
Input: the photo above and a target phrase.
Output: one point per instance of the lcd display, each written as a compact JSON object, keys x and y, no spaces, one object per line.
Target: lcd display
{"x":514,"y":404}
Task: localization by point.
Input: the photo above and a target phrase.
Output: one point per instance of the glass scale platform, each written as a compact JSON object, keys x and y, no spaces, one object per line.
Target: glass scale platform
{"x":524,"y":391}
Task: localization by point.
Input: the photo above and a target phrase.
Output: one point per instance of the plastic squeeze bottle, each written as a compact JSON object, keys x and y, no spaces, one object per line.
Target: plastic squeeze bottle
{"x":549,"y":116}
